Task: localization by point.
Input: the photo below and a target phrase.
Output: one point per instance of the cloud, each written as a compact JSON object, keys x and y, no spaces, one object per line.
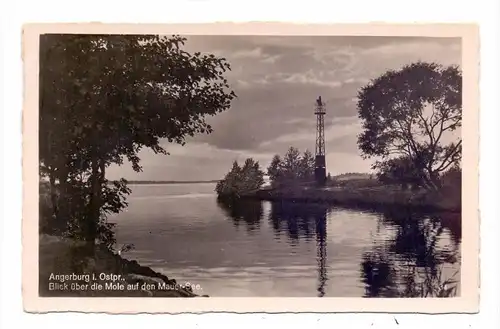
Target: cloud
{"x":277,"y":80}
{"x":271,"y":59}
{"x":243,"y":84}
{"x":434,"y":48}
{"x":248,"y":53}
{"x":255,"y":54}
{"x":311,"y":77}
{"x":193,"y":161}
{"x":264,"y":112}
{"x":340,"y":136}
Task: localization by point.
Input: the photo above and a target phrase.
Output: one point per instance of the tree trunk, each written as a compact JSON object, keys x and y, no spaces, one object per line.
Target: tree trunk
{"x":63,"y":199}
{"x":434,"y":178}
{"x":92,"y":219}
{"x":431,"y":184}
{"x":54,"y":203}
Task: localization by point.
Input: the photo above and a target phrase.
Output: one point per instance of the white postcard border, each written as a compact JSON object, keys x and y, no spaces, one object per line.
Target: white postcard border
{"x":468,"y":302}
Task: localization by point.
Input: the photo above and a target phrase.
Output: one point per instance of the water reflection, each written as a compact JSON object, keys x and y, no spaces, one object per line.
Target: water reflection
{"x":297,"y":221}
{"x":304,"y":221}
{"x":404,"y":258}
{"x":246,"y":212}
{"x":378,"y":274}
{"x":320,"y":219}
{"x":411,"y":264}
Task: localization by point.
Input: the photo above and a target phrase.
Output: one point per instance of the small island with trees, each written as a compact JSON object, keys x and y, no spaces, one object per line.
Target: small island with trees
{"x":405,"y":115}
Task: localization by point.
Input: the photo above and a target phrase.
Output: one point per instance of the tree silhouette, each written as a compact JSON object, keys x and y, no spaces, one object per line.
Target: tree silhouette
{"x":399,"y":171}
{"x":292,"y":168}
{"x":240,"y":180}
{"x":407,"y":113}
{"x":306,"y":166}
{"x":103,"y":98}
{"x":291,"y":164}
{"x":274,"y":170}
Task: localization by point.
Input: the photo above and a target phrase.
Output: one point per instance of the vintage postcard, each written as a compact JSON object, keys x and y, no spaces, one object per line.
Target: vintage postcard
{"x":253,"y":167}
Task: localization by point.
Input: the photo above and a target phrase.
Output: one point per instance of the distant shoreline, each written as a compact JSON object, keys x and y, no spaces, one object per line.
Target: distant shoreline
{"x":147,"y":182}
{"x":131,"y":182}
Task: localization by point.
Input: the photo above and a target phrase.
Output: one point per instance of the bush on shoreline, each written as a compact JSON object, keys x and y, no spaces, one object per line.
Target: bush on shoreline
{"x":241,"y":180}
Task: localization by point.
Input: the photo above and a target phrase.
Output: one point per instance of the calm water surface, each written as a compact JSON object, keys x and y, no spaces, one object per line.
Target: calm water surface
{"x":260,"y":249}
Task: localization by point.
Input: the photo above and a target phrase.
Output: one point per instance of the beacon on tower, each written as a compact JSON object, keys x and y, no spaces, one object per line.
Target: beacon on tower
{"x":320,"y":161}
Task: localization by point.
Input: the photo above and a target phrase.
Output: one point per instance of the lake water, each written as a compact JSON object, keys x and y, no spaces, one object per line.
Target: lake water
{"x":260,"y":249}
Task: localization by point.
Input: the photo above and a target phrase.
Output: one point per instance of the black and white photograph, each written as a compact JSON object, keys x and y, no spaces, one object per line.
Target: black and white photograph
{"x":200,"y":166}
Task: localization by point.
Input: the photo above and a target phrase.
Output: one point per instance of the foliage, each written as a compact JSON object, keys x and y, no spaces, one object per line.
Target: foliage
{"x":241,"y":180}
{"x":407,"y":113}
{"x":451,"y":187}
{"x":306,"y":166}
{"x":293,"y":167}
{"x":354,"y":183}
{"x":452,"y":178}
{"x":399,"y":170}
{"x":274,"y":169}
{"x":103,"y":98}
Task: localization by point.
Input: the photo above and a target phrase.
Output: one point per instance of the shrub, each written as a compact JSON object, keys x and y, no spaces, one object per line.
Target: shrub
{"x":241,"y":180}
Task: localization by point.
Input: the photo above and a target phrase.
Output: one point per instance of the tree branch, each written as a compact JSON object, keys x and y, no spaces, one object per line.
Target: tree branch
{"x":451,"y":154}
{"x":429,"y":132}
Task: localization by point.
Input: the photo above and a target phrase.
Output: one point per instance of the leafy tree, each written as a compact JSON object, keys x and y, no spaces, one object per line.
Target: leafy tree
{"x":451,"y":182}
{"x":399,"y":171}
{"x":291,"y":164}
{"x":103,"y":98}
{"x":253,"y":177}
{"x":407,"y":113}
{"x":228,"y":185}
{"x":274,"y":171}
{"x":452,"y":178}
{"x":240,"y":180}
{"x":293,"y":167}
{"x":306,"y":166}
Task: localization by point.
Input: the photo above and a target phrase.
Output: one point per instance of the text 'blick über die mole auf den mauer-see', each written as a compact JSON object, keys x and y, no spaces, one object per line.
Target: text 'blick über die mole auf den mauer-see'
{"x":106,"y":281}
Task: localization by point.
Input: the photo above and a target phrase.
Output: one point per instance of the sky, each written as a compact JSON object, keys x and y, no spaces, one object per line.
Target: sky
{"x":277,"y":80}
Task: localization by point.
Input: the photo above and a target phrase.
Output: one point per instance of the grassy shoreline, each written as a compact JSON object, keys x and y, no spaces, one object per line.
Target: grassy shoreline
{"x":369,"y":197}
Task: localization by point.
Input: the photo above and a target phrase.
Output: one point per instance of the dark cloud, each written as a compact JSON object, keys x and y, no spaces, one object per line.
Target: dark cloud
{"x":277,"y":80}
{"x":265,"y":112}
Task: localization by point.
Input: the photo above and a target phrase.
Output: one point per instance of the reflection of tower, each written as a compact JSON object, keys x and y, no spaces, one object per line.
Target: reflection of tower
{"x":320,"y":162}
{"x":321,"y":253}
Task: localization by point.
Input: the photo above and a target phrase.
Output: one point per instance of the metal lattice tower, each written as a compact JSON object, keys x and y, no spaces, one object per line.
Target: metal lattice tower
{"x":320,"y":162}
